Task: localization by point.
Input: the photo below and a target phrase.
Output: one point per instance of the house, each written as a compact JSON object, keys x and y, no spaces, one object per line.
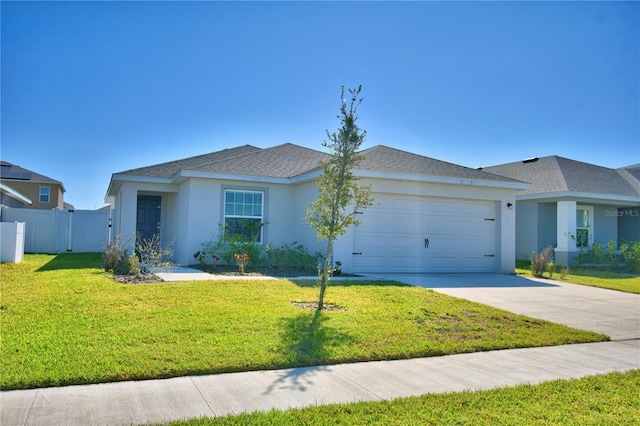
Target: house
{"x":41,"y":191}
{"x":572,"y":205}
{"x":12,"y":198}
{"x":428,"y":216}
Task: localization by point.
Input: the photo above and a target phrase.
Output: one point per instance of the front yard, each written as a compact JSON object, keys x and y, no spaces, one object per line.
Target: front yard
{"x":612,"y":280}
{"x":64,"y":321}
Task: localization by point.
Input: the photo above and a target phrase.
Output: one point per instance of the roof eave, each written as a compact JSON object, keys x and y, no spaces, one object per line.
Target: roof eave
{"x":182,"y":175}
{"x":15,"y":194}
{"x":583,"y":195}
{"x":443,"y":179}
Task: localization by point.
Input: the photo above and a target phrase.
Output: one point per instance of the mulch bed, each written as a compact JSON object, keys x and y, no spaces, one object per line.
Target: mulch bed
{"x":137,"y":279}
{"x":314,"y":306}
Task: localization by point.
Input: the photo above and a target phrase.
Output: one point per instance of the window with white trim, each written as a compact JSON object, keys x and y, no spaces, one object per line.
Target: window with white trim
{"x":243,"y":213}
{"x":584,"y":226}
{"x":44,"y":194}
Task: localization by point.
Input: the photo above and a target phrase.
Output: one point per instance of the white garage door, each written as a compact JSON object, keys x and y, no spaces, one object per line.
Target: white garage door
{"x":419,"y":234}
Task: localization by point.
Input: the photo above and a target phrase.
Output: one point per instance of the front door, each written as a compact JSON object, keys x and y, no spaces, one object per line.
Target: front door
{"x":148,"y":218}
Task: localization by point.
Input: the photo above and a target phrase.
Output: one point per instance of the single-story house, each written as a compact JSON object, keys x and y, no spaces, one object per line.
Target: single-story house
{"x":428,"y":216}
{"x":572,"y":205}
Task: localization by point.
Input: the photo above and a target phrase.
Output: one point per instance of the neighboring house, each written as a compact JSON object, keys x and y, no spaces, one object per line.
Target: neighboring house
{"x":12,"y":198}
{"x":572,"y":205}
{"x":428,"y":216}
{"x":43,"y":192}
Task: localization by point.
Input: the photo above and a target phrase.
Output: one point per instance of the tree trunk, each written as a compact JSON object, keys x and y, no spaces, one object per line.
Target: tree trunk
{"x":326,"y":269}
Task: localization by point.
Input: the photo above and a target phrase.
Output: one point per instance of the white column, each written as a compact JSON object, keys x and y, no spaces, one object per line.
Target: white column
{"x":566,"y":233}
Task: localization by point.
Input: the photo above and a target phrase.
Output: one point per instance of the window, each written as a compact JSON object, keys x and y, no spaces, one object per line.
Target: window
{"x":243,"y":214}
{"x":584,"y":226}
{"x":45,"y":191}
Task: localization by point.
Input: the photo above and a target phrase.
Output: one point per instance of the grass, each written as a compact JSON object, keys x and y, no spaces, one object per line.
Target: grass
{"x":597,"y":400}
{"x":621,"y":281}
{"x":64,"y":321}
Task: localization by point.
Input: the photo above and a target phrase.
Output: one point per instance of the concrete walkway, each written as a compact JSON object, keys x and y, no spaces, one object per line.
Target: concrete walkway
{"x":156,"y":401}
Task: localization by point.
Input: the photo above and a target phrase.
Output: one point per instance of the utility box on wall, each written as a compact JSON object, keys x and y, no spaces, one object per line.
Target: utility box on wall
{"x":11,"y":242}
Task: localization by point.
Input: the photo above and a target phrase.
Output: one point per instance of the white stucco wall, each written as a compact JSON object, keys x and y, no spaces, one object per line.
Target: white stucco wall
{"x":200,"y":212}
{"x":193,"y":210}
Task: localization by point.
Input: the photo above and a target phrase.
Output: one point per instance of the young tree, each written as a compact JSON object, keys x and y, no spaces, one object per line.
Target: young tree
{"x":340,"y":196}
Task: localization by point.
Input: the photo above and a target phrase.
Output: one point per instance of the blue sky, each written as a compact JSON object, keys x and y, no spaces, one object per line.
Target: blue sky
{"x":93,"y":88}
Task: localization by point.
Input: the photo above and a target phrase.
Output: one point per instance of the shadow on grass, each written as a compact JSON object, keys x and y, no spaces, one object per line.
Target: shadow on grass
{"x":73,"y":261}
{"x":307,"y":341}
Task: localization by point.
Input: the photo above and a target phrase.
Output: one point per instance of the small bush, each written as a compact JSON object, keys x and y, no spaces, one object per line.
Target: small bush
{"x":551,"y":268}
{"x":206,"y":257}
{"x":631,"y":254}
{"x":627,"y":258}
{"x":540,"y":263}
{"x":115,"y":256}
{"x":291,"y":257}
{"x":227,"y":246}
{"x":112,"y":253}
{"x":152,"y":253}
{"x":128,"y":265}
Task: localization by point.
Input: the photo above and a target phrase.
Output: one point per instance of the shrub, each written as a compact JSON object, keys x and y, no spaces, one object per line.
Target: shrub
{"x":227,"y":246}
{"x":152,"y":254}
{"x":128,"y":265}
{"x":628,"y":257}
{"x":631,"y":254}
{"x":539,"y":263}
{"x":551,"y":268}
{"x":291,"y":257}
{"x":114,"y":253}
{"x":206,"y":257}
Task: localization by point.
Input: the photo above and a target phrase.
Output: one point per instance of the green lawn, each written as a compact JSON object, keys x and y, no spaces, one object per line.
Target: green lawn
{"x":64,"y":322}
{"x":611,"y":399}
{"x":611,"y":280}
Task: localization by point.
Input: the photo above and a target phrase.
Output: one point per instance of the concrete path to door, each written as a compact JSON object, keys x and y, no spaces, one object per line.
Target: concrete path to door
{"x":614,"y":313}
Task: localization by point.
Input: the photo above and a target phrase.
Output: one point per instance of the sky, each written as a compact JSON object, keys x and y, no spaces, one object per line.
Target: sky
{"x":93,"y":88}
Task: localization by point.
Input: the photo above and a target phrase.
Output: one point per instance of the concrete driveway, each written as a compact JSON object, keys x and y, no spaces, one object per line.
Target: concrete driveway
{"x":614,"y":313}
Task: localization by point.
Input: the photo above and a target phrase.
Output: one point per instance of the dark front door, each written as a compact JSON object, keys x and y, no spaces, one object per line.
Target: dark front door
{"x":148,"y":220}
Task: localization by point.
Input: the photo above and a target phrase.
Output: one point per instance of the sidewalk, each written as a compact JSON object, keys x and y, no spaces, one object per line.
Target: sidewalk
{"x":158,"y":401}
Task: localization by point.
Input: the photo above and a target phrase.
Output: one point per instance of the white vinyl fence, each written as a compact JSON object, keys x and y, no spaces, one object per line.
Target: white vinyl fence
{"x":58,"y":231}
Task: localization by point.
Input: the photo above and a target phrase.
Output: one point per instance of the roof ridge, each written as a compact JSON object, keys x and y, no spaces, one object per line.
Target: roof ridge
{"x":562,"y":172}
{"x":239,"y":155}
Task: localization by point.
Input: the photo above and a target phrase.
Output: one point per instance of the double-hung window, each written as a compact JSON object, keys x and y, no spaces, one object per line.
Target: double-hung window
{"x":243,"y":214}
{"x":44,"y":194}
{"x":584,"y":226}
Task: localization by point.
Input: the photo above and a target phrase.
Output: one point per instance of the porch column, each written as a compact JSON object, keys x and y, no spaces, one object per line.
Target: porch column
{"x":566,"y":233}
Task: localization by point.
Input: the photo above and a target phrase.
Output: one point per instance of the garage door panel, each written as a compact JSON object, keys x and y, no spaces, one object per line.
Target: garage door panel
{"x":392,"y":236}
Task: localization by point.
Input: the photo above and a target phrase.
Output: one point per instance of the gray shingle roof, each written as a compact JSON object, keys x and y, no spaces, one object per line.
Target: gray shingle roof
{"x":12,"y":172}
{"x":631,"y":174}
{"x":289,"y":160}
{"x":166,"y":170}
{"x":384,"y":159}
{"x":558,"y":174}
